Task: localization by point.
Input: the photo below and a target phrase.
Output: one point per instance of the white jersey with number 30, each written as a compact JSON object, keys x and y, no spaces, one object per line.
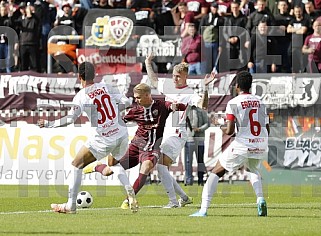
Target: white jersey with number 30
{"x":249,"y":114}
{"x":100,"y":103}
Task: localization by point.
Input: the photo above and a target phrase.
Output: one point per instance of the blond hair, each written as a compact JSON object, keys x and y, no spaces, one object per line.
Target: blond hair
{"x":181,"y":67}
{"x":142,"y":88}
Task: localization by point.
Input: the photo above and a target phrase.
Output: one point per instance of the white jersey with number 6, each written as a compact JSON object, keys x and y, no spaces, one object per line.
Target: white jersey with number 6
{"x":100,"y":103}
{"x":249,"y":114}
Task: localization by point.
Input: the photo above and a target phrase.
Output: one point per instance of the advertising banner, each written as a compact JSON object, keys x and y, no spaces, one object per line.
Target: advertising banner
{"x":111,"y":61}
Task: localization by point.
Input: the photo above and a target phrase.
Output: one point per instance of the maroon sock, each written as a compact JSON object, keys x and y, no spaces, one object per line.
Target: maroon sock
{"x":139,"y":183}
{"x":100,"y":168}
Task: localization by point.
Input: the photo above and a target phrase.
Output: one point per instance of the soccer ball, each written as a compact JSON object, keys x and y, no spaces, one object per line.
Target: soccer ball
{"x":84,"y":199}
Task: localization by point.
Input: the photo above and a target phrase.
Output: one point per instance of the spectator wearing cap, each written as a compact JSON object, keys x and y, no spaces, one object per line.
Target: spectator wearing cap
{"x":70,"y":23}
{"x":72,"y":17}
{"x":60,"y":3}
{"x":209,"y":28}
{"x":66,"y":18}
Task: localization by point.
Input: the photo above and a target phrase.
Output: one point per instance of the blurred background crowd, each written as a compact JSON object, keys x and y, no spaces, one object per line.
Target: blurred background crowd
{"x":295,"y":34}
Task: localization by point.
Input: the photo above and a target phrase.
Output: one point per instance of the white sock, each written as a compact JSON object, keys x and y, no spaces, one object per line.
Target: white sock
{"x":120,"y":172}
{"x":179,"y":190}
{"x":167,"y":182}
{"x":208,"y":191}
{"x":74,"y":186}
{"x":256,"y":182}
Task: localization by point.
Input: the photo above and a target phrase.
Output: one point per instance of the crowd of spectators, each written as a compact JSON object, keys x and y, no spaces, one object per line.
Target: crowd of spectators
{"x":251,"y":30}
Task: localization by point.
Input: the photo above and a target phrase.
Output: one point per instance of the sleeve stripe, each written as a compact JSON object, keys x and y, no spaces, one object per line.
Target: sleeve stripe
{"x":230,"y":117}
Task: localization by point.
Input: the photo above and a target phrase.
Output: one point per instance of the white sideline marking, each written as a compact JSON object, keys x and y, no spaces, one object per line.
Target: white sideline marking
{"x":113,"y":208}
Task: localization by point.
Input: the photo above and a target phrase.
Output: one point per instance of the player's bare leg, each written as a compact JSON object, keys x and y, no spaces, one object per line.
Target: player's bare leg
{"x":83,"y":158}
{"x":108,"y":170}
{"x":100,"y":167}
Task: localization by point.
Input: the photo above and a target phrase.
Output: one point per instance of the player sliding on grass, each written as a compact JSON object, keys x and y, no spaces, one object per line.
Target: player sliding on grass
{"x":100,"y":103}
{"x":150,"y":116}
{"x":175,"y":134}
{"x":250,"y":146}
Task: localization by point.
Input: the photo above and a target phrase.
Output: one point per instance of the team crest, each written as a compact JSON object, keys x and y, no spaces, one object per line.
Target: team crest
{"x":110,"y":31}
{"x":155,"y":112}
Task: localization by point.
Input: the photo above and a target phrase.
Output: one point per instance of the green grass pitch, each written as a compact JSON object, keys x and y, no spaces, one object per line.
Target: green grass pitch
{"x":292,"y":210}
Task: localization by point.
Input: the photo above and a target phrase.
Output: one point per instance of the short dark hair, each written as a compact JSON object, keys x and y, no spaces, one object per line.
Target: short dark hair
{"x":86,"y":71}
{"x":235,"y":2}
{"x":244,"y":80}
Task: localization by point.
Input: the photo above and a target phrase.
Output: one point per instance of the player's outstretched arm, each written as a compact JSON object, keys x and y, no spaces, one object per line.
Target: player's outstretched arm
{"x":150,"y":72}
{"x":64,"y":121}
{"x":207,"y":80}
{"x":74,"y":113}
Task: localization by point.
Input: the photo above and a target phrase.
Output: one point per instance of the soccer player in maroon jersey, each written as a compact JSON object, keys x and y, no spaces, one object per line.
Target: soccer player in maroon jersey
{"x":150,"y":116}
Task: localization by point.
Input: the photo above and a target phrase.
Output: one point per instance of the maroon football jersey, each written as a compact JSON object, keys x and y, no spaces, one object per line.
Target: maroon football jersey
{"x":151,"y":122}
{"x":196,"y":5}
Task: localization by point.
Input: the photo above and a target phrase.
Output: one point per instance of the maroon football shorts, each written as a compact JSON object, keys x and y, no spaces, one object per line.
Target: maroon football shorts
{"x":136,"y":155}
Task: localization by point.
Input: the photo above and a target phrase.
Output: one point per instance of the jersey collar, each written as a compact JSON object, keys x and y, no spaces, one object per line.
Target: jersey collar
{"x":181,"y":87}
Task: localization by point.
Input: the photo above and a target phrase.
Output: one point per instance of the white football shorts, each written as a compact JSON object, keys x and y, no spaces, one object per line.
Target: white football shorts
{"x":172,"y":147}
{"x":232,"y":161}
{"x":101,"y":147}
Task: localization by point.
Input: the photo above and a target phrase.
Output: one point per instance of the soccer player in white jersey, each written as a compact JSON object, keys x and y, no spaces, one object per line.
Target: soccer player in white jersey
{"x":100,"y":103}
{"x":175,"y":135}
{"x":250,"y":146}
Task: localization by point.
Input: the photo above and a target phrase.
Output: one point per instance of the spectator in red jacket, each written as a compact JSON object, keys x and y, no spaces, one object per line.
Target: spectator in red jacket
{"x":192,"y":46}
